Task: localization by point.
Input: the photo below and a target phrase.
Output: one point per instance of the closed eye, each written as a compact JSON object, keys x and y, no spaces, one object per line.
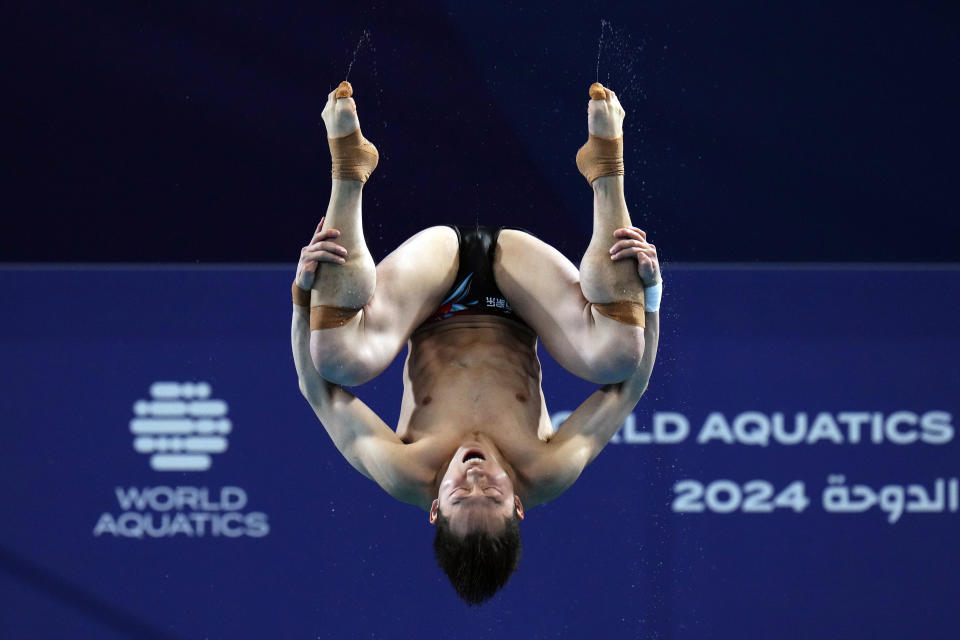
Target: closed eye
{"x":494,"y":499}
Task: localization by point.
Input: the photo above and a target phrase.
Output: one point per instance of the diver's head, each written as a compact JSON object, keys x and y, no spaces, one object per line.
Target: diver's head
{"x":476,"y":492}
{"x":477,"y":515}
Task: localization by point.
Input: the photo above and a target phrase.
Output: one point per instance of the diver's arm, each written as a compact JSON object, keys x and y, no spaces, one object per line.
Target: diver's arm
{"x":353,"y":427}
{"x":589,"y":428}
{"x":367,"y":443}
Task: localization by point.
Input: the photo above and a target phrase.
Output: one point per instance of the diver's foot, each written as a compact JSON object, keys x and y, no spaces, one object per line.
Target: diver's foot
{"x":354,"y":157}
{"x":340,"y":113}
{"x":602,"y":155}
{"x":604,"y":113}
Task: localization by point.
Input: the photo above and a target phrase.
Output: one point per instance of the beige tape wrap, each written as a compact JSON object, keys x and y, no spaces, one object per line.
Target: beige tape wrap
{"x":354,"y":157}
{"x":600,"y":157}
{"x":323,"y":317}
{"x":624,"y":311}
{"x":301,"y":297}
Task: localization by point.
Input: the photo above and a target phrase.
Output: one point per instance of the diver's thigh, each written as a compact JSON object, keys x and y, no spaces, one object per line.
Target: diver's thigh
{"x":541,"y":284}
{"x":543,"y":287}
{"x":412,"y":281}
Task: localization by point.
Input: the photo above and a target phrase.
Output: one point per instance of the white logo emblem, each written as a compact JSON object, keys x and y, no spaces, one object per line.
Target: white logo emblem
{"x":180,"y":426}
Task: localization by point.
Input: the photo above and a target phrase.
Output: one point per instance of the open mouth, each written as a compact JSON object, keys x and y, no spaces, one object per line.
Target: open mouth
{"x":472,"y":454}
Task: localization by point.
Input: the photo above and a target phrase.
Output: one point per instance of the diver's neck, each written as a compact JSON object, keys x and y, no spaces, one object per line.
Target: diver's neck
{"x":492,"y":447}
{"x":489,"y":447}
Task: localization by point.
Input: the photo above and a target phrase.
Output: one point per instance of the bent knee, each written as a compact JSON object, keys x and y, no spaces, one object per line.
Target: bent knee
{"x":440,"y":242}
{"x":618,"y":354}
{"x":341,"y":359}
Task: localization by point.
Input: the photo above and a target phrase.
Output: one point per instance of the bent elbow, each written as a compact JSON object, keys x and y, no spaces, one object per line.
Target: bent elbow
{"x":315,"y":390}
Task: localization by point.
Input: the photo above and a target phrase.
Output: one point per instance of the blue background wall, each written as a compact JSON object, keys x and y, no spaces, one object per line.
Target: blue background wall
{"x":612,"y":556}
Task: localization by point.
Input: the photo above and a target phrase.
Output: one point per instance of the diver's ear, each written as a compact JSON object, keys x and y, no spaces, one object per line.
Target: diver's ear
{"x":434,"y":510}
{"x":518,"y":505}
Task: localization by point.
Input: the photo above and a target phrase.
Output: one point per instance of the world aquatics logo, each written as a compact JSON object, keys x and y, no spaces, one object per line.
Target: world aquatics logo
{"x":180,"y":427}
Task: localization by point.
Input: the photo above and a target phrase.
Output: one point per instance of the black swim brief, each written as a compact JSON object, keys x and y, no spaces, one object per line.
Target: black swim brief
{"x":474,"y":290}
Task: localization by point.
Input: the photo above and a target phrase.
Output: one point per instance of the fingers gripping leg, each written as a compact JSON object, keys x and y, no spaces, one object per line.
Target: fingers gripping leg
{"x":544,"y":288}
{"x":410,"y":283}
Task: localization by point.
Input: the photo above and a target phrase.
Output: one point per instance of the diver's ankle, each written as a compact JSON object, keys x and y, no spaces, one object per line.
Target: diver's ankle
{"x":608,"y":186}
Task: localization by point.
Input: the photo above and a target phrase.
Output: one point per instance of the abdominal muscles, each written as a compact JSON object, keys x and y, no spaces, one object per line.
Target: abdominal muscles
{"x":472,"y":379}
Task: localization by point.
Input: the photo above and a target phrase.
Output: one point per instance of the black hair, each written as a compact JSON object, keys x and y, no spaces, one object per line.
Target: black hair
{"x":479,"y":563}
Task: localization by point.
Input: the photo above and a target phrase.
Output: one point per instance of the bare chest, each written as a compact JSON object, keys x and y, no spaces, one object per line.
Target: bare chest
{"x":458,"y":383}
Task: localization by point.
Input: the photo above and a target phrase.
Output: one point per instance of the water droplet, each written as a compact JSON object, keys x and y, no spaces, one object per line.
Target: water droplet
{"x":365,"y":37}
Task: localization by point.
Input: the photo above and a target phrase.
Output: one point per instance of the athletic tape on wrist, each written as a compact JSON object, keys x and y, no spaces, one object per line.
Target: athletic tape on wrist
{"x":652,"y":295}
{"x":301,"y":297}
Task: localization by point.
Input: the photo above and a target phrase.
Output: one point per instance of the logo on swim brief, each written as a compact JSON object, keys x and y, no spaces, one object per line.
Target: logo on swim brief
{"x":180,"y":427}
{"x":498,"y":303}
{"x":456,"y":301}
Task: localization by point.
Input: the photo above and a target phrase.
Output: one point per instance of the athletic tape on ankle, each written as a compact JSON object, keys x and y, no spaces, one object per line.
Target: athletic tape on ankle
{"x":301,"y":297}
{"x":600,"y":157}
{"x":354,"y":157}
{"x":323,"y":317}
{"x":652,"y":295}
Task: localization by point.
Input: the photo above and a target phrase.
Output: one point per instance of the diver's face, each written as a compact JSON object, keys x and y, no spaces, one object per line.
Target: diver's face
{"x":476,"y":493}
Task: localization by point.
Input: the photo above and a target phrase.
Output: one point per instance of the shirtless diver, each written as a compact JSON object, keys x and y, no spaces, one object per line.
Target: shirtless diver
{"x":474,"y":445}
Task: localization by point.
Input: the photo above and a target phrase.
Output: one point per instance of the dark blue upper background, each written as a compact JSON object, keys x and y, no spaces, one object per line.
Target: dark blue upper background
{"x":755,"y":131}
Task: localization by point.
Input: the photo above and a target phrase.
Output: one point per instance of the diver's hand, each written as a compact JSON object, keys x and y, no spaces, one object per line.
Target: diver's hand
{"x":340,"y":113}
{"x":320,"y":249}
{"x":604,"y":113}
{"x":633,"y":243}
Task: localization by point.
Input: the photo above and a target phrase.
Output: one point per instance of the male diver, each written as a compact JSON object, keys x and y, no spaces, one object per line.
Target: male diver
{"x":474,"y":445}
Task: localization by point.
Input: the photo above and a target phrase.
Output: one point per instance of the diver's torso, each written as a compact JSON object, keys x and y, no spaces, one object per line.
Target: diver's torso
{"x":475,"y":374}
